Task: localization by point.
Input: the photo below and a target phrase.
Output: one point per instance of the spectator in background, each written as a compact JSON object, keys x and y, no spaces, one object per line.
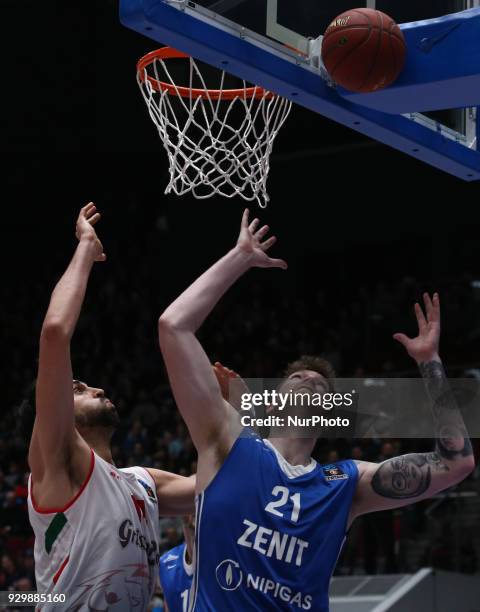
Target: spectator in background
{"x":24,"y":584}
{"x":137,"y":435}
{"x":4,"y":488}
{"x":145,"y":412}
{"x":333,"y":456}
{"x":13,"y":475}
{"x":8,"y":569}
{"x":176,"y":445}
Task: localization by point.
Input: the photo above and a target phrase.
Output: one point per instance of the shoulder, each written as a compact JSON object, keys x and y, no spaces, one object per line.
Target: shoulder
{"x":173,"y":556}
{"x":365,"y":469}
{"x":141,"y":473}
{"x":341,"y":470}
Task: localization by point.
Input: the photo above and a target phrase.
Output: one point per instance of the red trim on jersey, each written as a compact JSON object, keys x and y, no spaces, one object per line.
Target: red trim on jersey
{"x":72,"y":501}
{"x":153,"y":479}
{"x":60,"y":570}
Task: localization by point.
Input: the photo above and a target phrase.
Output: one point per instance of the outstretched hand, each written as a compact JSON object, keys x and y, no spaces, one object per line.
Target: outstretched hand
{"x":87,"y":218}
{"x":231,"y":392}
{"x":250,"y":241}
{"x":425,"y":346}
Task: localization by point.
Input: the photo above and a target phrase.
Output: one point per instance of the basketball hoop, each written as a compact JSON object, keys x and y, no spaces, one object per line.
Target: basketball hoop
{"x":218,"y":141}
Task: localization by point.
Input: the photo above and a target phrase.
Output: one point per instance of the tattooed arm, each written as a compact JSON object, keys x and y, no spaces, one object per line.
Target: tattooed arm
{"x":410,"y":478}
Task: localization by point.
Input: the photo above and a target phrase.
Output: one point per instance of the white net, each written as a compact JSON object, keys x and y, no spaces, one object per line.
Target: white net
{"x":214,"y":145}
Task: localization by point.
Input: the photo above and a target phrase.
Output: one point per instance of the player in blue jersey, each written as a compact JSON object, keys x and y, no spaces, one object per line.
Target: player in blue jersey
{"x":270,"y":521}
{"x":176,"y":570}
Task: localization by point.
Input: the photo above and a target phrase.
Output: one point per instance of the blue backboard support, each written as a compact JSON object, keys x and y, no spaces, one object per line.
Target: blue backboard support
{"x":250,"y":56}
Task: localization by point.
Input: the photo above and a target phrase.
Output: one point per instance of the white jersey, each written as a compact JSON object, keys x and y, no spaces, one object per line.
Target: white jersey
{"x":102,"y":548}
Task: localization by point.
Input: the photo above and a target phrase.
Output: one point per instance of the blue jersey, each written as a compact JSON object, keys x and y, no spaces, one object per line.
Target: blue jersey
{"x":268,"y":534}
{"x":176,"y":578}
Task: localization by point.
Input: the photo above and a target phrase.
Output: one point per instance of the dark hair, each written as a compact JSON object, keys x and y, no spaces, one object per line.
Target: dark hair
{"x":25,"y":413}
{"x":317,"y":364}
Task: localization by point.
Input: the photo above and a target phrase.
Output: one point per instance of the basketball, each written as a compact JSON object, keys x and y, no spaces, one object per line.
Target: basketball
{"x":363,"y":50}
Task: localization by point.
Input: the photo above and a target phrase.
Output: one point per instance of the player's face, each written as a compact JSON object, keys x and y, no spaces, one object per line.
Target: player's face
{"x":305,"y":381}
{"x":92,"y":408}
{"x":300,"y":384}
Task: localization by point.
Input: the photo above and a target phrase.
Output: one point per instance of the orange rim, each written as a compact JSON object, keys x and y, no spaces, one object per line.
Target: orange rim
{"x":187,"y":92}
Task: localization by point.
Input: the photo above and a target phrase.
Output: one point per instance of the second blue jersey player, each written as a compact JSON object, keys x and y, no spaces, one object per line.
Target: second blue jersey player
{"x":176,"y":571}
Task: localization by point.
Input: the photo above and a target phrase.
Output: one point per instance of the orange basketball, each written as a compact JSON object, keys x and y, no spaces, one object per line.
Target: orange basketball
{"x":363,"y":50}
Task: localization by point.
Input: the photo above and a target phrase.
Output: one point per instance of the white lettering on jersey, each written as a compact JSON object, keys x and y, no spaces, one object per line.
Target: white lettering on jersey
{"x":278,"y":545}
{"x":284,"y":545}
{"x":242,"y":540}
{"x":277,"y":590}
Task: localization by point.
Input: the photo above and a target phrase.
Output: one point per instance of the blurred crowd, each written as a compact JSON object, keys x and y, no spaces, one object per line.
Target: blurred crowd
{"x":256,"y":329}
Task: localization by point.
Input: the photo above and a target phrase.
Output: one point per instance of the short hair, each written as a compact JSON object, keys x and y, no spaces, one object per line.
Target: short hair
{"x":25,"y":413}
{"x":314,"y":363}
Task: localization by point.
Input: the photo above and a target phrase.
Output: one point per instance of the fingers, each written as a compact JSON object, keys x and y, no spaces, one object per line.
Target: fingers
{"x":428,"y":305}
{"x":266,"y":262}
{"x":273,"y":263}
{"x":268,"y":243}
{"x":253,"y":225}
{"x":422,"y":322}
{"x":90,"y":214}
{"x":261,"y":233}
{"x":224,"y":370}
{"x":94,"y":218}
{"x":402,"y":338}
{"x":219,"y":369}
{"x":86,"y":210}
{"x":277,"y":263}
{"x":435,"y":316}
{"x":432,"y":307}
{"x":87,"y":207}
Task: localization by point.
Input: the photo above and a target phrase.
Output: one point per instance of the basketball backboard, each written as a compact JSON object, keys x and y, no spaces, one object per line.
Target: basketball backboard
{"x":275,"y":44}
{"x":293,"y":23}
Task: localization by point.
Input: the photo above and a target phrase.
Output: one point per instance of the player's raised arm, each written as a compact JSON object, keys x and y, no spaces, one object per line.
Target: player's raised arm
{"x":194,"y":384}
{"x":402,"y":480}
{"x":56,"y":448}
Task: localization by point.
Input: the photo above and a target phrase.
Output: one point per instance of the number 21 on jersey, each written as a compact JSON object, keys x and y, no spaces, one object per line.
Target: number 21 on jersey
{"x":283,"y":495}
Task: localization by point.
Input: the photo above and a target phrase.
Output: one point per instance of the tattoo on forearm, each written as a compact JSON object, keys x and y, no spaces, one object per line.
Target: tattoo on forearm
{"x":452,"y":438}
{"x":410,"y":476}
{"x":407,"y":476}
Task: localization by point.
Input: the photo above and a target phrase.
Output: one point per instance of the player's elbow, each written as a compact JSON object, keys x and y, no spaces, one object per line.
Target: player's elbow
{"x":463,"y":469}
{"x":469,"y":465}
{"x":168,"y":323}
{"x":54,"y":331}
